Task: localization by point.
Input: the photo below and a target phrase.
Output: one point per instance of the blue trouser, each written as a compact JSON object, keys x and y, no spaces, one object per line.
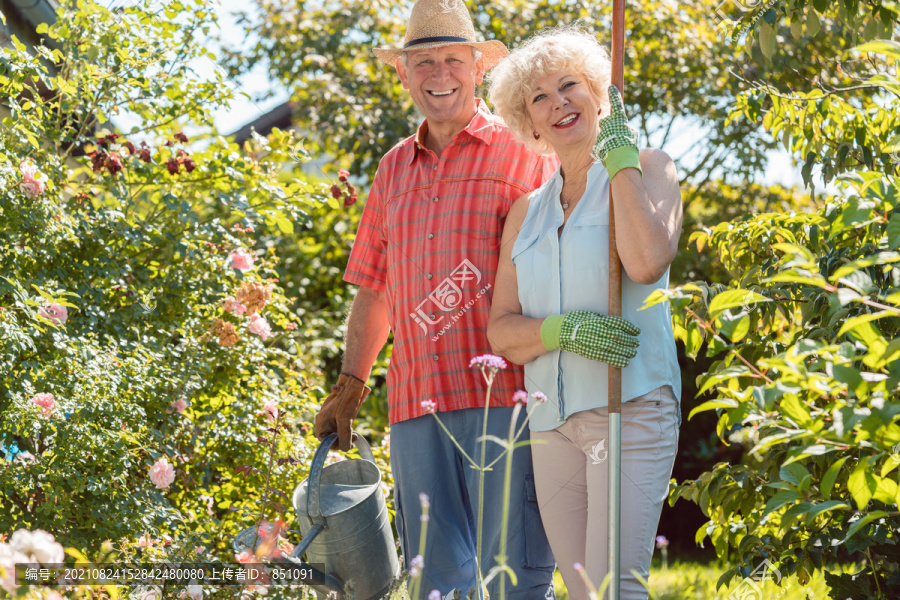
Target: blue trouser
{"x":425,"y":460}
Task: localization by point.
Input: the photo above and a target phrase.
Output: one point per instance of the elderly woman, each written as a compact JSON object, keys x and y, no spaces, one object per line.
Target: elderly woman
{"x":551,"y":298}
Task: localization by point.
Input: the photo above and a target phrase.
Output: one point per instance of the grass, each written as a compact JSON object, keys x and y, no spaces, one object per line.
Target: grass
{"x":697,"y":581}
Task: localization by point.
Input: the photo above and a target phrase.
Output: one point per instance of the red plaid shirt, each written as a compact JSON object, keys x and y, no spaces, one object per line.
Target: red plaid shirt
{"x":430,"y":237}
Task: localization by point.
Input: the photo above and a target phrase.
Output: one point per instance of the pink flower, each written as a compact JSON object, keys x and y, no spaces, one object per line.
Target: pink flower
{"x":54,"y":312}
{"x":162,"y":474}
{"x":520,"y":397}
{"x":209,"y":503}
{"x":244,"y":556}
{"x":241,"y":260}
{"x":271,"y":409}
{"x":179,"y":405}
{"x":39,"y":545}
{"x":260,"y":326}
{"x":434,"y":595}
{"x":661,"y":541}
{"x":291,"y":326}
{"x":29,"y":185}
{"x":429,"y":406}
{"x":343,"y":174}
{"x":488,"y":361}
{"x":195,"y":592}
{"x":46,"y":401}
{"x":539,"y":396}
{"x":415,"y":566}
{"x":144,"y":541}
{"x":234,"y":307}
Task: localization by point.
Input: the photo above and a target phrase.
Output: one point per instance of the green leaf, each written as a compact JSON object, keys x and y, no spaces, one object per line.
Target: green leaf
{"x":713,"y":404}
{"x":888,"y":47}
{"x":823,"y":508}
{"x":794,"y":473}
{"x":862,"y":484}
{"x":830,"y":476}
{"x":767,"y":39}
{"x":886,"y":491}
{"x":780,"y":499}
{"x":851,"y":323}
{"x":812,"y":24}
{"x":878,"y":514}
{"x":793,"y":409}
{"x":733,"y":299}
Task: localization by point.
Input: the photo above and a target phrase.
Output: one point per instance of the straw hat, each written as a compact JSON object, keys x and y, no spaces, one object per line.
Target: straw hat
{"x":434,"y":23}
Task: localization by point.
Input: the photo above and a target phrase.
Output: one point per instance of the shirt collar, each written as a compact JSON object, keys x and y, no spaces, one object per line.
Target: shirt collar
{"x":481,"y":127}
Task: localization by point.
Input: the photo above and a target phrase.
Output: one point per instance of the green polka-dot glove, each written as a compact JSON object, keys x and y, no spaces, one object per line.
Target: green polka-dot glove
{"x":597,"y":337}
{"x":616,"y":145}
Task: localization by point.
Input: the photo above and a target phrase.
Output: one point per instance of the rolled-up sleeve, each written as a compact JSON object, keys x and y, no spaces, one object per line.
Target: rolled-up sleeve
{"x":368,"y":258}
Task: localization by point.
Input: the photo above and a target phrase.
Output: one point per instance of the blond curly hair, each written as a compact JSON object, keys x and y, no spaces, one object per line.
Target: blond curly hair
{"x":568,"y":48}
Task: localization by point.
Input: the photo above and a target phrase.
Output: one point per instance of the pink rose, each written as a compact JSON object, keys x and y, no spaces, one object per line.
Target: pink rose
{"x":162,"y":474}
{"x":271,"y":409}
{"x":54,"y":312}
{"x":30,"y":185}
{"x":195,"y":592}
{"x":234,"y":307}
{"x":241,"y":260}
{"x":46,"y":401}
{"x":260,"y":326}
{"x":41,"y":546}
{"x":179,"y":405}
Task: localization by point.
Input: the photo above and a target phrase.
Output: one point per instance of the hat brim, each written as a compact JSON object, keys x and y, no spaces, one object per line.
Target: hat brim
{"x":492,"y":51}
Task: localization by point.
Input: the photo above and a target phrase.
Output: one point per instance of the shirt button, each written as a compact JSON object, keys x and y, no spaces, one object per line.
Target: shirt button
{"x":434,"y":199}
{"x":435,"y":357}
{"x":430,"y":236}
{"x":434,"y":168}
{"x":428,"y":275}
{"x":431,"y":316}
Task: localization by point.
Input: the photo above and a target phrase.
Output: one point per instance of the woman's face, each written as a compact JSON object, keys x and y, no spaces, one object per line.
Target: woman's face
{"x":563,"y":110}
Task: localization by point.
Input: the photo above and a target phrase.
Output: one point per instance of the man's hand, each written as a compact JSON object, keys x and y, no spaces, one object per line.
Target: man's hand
{"x":616,"y":145}
{"x":597,"y":337}
{"x":340,"y":408}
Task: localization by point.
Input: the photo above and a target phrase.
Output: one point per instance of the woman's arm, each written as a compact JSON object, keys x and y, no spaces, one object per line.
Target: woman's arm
{"x":648,"y":216}
{"x":511,"y":335}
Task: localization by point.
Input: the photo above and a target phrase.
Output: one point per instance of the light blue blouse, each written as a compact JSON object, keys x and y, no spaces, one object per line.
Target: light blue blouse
{"x":570,"y":272}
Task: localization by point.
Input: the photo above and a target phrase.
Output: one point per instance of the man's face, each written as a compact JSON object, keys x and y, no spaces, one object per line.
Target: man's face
{"x":442,"y":83}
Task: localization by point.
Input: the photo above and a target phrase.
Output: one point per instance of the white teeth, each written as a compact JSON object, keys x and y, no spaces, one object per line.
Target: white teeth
{"x":447,"y":93}
{"x":568,"y":119}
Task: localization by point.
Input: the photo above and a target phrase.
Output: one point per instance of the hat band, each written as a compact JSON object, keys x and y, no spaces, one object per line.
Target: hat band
{"x":441,"y":38}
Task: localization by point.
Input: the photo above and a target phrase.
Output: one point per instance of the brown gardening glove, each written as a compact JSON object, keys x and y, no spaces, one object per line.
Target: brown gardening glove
{"x":340,"y":408}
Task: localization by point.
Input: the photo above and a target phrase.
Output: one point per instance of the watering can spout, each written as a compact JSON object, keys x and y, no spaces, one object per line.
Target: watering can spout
{"x":346,"y":531}
{"x":325,"y":584}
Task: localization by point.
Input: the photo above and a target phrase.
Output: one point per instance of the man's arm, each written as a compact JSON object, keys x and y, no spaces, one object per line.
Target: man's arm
{"x":367,"y":332}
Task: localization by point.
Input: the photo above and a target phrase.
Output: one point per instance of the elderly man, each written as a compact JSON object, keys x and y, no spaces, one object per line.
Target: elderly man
{"x":425,"y":257}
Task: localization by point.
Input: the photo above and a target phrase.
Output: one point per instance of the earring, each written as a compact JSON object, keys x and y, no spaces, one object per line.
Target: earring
{"x":536,"y":135}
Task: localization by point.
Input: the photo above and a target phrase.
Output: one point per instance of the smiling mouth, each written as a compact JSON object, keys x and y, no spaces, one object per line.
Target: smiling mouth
{"x":441,"y":94}
{"x":567,"y":120}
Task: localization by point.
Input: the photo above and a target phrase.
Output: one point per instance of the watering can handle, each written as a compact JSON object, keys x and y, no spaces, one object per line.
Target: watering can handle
{"x":313,"y":510}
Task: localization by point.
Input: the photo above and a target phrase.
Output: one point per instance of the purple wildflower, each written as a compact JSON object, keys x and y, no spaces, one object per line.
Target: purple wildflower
{"x":539,"y":396}
{"x":488,"y":361}
{"x":429,"y":406}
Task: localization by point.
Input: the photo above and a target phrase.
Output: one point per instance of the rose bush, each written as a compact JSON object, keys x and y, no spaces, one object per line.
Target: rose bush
{"x":145,"y":335}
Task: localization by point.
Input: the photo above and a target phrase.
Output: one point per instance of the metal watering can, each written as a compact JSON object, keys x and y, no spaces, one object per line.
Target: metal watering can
{"x":345,"y":526}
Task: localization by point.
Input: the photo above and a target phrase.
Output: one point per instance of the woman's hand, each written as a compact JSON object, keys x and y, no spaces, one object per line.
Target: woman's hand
{"x":616,"y":145}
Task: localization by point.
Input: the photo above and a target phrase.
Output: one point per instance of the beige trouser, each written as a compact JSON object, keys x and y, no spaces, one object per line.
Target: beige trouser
{"x":571,"y":476}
